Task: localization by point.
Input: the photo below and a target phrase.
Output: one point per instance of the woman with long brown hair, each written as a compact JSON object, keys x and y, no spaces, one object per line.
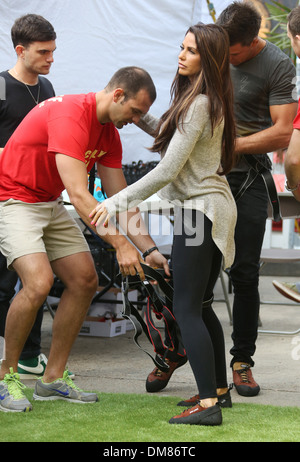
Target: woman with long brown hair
{"x":195,"y":138}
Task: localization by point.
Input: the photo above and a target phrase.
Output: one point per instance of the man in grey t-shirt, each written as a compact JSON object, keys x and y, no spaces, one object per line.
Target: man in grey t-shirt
{"x":265,"y":106}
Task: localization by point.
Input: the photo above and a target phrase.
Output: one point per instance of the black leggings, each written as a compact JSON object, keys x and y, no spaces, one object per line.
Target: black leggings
{"x":195,"y":272}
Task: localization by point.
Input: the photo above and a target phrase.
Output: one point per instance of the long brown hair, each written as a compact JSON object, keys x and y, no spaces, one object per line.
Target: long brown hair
{"x":214,"y":81}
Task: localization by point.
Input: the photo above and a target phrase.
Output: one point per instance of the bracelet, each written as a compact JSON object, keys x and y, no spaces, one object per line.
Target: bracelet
{"x":145,"y":254}
{"x":291,"y":189}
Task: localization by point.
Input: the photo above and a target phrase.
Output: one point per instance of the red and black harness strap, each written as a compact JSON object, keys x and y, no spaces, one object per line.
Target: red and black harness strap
{"x":160,"y":302}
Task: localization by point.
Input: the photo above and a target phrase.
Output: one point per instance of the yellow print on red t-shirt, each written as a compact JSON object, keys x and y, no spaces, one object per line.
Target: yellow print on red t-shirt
{"x":89,"y":155}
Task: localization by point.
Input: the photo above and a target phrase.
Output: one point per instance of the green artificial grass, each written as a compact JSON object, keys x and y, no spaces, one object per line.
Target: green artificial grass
{"x":144,"y":418}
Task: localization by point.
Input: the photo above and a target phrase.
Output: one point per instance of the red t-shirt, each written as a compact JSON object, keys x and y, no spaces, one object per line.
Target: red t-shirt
{"x":63,"y":124}
{"x":296,"y":123}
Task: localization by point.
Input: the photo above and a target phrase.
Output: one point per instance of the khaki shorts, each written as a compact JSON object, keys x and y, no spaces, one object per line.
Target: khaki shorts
{"x":40,"y":227}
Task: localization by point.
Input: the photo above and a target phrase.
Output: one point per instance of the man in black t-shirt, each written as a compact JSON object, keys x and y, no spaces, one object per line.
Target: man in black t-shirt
{"x":22,"y":88}
{"x":265,"y":104}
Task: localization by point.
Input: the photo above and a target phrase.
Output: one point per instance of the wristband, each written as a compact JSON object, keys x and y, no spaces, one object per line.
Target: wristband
{"x":291,"y":189}
{"x":145,"y":254}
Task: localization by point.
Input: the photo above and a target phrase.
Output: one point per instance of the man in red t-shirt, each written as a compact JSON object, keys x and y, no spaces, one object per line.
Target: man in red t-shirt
{"x":52,"y":150}
{"x":80,"y":137}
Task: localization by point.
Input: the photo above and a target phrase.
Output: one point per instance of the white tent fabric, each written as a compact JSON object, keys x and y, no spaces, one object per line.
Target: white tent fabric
{"x":97,"y":37}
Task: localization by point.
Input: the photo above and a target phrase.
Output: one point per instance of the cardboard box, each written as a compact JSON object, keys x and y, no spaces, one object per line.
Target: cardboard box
{"x":102,"y":308}
{"x":94,"y":326}
{"x":109,"y":306}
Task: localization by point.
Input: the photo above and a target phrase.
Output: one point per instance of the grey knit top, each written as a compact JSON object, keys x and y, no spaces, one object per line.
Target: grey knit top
{"x":187,"y":176}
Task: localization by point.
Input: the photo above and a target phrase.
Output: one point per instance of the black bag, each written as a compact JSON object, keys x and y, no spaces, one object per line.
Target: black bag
{"x":135,"y":171}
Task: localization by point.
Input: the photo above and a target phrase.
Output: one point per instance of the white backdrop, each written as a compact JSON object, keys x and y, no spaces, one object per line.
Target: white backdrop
{"x":97,"y":37}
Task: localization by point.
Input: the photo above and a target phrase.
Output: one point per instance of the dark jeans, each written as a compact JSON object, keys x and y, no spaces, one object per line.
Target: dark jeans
{"x":195,"y":271}
{"x":8,"y":281}
{"x":249,"y":234}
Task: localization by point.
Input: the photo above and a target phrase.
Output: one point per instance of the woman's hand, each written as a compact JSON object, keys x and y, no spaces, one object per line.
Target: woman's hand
{"x":100,"y":214}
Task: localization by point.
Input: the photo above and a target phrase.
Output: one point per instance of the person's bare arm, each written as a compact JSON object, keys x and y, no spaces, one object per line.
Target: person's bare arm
{"x":74,"y":177}
{"x":272,"y":138}
{"x":131,"y":221}
{"x":292,"y":163}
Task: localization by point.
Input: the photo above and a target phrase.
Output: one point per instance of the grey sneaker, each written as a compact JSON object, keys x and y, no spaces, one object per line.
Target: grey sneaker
{"x":12,"y":398}
{"x":64,"y":389}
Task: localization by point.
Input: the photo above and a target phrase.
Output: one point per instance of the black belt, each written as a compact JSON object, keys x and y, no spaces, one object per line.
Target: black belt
{"x":257,"y":168}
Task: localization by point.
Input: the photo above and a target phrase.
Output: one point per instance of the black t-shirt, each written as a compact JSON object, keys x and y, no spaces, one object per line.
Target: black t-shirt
{"x":16,"y":100}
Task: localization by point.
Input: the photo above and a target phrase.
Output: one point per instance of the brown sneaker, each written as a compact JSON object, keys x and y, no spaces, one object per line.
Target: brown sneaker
{"x":223,"y":400}
{"x":198,"y":415}
{"x":189,"y":402}
{"x":157,"y":380}
{"x":243,"y":381}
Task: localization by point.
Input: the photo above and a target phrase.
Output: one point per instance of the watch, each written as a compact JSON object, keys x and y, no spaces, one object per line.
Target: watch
{"x":145,"y":254}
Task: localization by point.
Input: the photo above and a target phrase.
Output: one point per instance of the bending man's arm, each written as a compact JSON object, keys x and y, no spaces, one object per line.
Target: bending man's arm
{"x":113,"y":181}
{"x":74,"y":177}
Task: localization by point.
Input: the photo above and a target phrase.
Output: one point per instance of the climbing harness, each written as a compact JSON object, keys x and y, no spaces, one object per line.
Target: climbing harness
{"x":160,"y":301}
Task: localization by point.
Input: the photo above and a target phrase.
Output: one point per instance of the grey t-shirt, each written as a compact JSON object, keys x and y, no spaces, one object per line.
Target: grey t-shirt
{"x":266,"y":80}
